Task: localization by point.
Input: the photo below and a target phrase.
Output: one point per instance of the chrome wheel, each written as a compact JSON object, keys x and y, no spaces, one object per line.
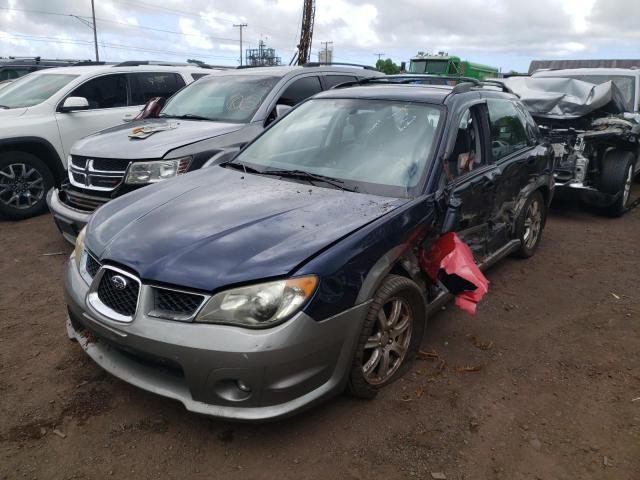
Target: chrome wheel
{"x":21,"y":186}
{"x":387,"y":346}
{"x":627,"y":186}
{"x":532,"y":224}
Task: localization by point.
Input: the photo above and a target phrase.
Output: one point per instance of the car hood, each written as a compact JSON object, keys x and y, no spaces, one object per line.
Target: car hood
{"x":217,"y":227}
{"x":115,"y":141}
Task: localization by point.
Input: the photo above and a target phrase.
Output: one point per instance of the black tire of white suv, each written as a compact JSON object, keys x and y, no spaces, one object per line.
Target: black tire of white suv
{"x":24,"y":183}
{"x":617,"y":176}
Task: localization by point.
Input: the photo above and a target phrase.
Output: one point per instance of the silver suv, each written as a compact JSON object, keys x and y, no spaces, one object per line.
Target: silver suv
{"x":208,"y":122}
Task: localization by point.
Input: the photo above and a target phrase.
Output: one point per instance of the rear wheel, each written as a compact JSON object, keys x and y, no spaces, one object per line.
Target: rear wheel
{"x":24,"y":183}
{"x":530,"y":224}
{"x":390,"y":337}
{"x":617,"y":176}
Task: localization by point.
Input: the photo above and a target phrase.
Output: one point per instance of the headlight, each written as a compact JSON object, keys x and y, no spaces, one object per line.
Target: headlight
{"x":259,"y":306}
{"x":156,"y":171}
{"x":79,"y":250}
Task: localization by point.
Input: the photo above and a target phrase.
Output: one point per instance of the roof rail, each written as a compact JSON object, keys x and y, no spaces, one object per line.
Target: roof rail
{"x":137,"y":63}
{"x":344,"y":64}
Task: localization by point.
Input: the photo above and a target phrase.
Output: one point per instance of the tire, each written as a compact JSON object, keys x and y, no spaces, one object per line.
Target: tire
{"x":24,"y":183}
{"x":411,"y":307}
{"x":530,"y":225}
{"x":617,"y":176}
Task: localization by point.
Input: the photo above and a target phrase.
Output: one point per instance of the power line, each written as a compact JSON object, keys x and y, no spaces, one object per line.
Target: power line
{"x":140,"y":27}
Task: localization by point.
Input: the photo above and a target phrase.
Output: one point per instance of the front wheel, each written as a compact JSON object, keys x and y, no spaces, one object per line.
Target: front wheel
{"x":24,"y":183}
{"x":617,"y":178}
{"x":390,"y":337}
{"x":530,"y":224}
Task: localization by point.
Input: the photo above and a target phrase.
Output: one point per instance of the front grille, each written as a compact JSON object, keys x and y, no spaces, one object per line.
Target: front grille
{"x":176,"y":303}
{"x":92,"y":266}
{"x":81,"y":201}
{"x":122,"y":301}
{"x":103,"y":174}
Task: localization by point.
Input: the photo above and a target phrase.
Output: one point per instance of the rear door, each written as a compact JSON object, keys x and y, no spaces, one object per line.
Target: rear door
{"x":470,"y":180}
{"x":518,"y":161}
{"x":109,"y":102}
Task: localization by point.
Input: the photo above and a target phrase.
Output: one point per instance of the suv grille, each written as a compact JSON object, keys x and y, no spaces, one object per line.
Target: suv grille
{"x":81,"y":201}
{"x":176,"y":303}
{"x":92,"y":266}
{"x":122,"y":301}
{"x":97,"y":173}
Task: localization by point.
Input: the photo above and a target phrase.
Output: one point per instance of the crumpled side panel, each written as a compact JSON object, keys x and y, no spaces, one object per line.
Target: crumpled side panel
{"x":449,"y":261}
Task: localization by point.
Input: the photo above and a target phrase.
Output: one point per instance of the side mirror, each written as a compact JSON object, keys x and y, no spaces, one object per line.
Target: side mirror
{"x":74,"y":103}
{"x":282,"y":110}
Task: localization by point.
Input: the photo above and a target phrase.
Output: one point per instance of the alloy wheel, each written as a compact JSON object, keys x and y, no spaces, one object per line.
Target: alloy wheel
{"x":387,"y":346}
{"x":627,"y":186}
{"x":21,"y":186}
{"x":532,"y":224}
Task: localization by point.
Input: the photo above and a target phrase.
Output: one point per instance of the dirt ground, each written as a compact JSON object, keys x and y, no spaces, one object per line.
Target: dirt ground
{"x":554,"y":368}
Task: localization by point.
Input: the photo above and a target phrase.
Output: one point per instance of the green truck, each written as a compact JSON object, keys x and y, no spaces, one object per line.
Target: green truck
{"x":449,"y":65}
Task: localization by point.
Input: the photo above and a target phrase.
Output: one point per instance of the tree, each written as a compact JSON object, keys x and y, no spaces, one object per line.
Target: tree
{"x":387,"y":66}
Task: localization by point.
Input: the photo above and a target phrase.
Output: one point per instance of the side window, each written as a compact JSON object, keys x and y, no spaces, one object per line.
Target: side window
{"x":529,"y":123}
{"x":108,"y":91}
{"x":333,"y":80}
{"x":11,"y":73}
{"x":300,"y":90}
{"x":508,"y":134}
{"x":147,"y":85}
{"x":466,"y":154}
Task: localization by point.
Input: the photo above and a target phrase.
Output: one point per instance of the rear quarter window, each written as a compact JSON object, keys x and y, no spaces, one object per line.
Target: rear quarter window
{"x":508,"y":133}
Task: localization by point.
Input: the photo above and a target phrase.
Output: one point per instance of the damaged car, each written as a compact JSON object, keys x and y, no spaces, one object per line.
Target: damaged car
{"x":591,"y":118}
{"x":311,"y":262}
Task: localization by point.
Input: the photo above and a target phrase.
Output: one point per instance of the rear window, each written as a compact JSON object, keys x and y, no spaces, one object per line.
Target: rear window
{"x":147,"y":85}
{"x":508,"y":134}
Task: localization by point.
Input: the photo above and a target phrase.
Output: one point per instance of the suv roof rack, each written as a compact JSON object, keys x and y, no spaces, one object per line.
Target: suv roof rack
{"x":465,"y":83}
{"x":344,"y":64}
{"x":159,"y":63}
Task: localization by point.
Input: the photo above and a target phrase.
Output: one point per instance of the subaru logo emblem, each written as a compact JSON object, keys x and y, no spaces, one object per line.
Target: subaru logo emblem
{"x":119,"y":282}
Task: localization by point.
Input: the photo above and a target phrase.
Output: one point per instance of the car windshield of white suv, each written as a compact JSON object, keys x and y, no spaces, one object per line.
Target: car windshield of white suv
{"x":227,"y":98}
{"x":33,"y":89}
{"x":373,"y":146}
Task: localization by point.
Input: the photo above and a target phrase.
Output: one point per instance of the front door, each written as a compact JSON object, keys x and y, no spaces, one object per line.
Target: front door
{"x":108,"y":97}
{"x":471,"y":183}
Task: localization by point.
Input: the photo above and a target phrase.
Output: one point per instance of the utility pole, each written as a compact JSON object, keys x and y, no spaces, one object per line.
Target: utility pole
{"x":380,"y":55}
{"x":326,"y":51}
{"x":240,"y":26}
{"x":95,"y":30}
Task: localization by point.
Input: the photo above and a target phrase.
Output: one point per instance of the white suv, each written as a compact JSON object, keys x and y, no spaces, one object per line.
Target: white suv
{"x":42,"y":114}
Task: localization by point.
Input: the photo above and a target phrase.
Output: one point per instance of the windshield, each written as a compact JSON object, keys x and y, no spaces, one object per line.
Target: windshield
{"x":228,"y":98}
{"x":418,"y":66}
{"x":373,"y":146}
{"x":32,"y":89}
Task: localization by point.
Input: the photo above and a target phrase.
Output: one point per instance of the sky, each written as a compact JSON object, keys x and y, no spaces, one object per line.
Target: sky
{"x":503,"y":33}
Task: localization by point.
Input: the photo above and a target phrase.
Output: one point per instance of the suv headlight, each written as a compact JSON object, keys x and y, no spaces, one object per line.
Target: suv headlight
{"x":79,"y":250}
{"x":151,"y":172}
{"x":259,"y":306}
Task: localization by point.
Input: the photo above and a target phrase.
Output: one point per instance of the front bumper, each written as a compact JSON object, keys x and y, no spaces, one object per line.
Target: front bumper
{"x":288,"y":368}
{"x":68,"y":220}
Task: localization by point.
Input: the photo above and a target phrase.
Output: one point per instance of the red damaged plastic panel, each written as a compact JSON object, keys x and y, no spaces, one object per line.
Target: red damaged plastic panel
{"x":450,"y":261}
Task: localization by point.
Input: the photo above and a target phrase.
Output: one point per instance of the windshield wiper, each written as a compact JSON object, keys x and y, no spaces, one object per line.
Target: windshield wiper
{"x":240,"y":166}
{"x":310,"y":177}
{"x":187,"y":116}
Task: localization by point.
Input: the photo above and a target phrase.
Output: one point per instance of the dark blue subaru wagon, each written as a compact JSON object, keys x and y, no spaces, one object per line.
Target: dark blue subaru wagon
{"x":258,"y":287}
